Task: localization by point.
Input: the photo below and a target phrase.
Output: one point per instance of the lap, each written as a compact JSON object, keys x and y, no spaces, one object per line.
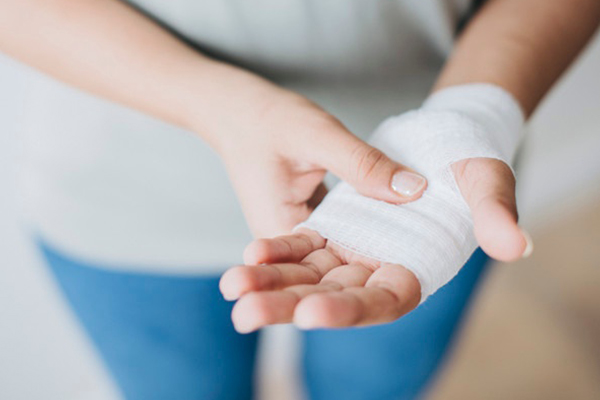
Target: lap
{"x":171,"y":337}
{"x":392,"y":361}
{"x":160,"y":336}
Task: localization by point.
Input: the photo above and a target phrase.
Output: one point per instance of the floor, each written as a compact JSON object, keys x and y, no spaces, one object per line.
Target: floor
{"x":535,"y":331}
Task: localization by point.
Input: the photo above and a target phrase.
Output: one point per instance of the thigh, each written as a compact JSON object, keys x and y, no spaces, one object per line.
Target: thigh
{"x":393,"y":361}
{"x":161,"y":337}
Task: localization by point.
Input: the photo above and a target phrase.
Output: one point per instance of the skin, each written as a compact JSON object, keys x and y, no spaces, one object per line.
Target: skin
{"x":521,"y":45}
{"x":110,"y":50}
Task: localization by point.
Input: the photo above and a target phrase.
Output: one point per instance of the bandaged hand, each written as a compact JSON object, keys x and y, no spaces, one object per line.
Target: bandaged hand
{"x":278,"y":146}
{"x":360,"y":261}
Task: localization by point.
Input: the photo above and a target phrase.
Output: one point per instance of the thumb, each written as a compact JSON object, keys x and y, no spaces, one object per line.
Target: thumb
{"x":369,"y":170}
{"x":488,"y":187}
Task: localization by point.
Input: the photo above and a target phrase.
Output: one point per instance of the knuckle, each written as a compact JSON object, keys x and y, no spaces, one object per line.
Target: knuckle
{"x":366,"y":161}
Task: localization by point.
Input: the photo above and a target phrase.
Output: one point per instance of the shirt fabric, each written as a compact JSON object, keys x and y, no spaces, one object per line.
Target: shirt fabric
{"x":107,"y":183}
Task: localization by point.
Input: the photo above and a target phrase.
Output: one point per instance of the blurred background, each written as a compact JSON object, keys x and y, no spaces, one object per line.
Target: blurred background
{"x":534,"y":332}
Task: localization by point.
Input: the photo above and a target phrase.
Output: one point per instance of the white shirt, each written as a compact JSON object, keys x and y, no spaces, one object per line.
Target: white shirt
{"x":118,"y":188}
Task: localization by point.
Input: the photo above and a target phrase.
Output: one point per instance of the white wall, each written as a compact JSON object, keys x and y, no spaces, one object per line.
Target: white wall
{"x":561,"y":166}
{"x":42,"y":353}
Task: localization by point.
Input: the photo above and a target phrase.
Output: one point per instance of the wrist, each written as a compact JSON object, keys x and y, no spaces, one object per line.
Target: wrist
{"x":488,"y":105}
{"x":226,"y":102}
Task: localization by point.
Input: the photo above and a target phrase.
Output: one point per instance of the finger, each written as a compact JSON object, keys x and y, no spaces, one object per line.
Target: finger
{"x":323,"y":261}
{"x":255,"y":310}
{"x":318,"y":196}
{"x":348,"y":275}
{"x":287,"y":248}
{"x":350,"y":307}
{"x":258,"y":309}
{"x":368,"y":170}
{"x":267,"y":210}
{"x":401,"y":282}
{"x":390,"y":292}
{"x":275,"y":217}
{"x":488,"y":187}
{"x":240,"y":280}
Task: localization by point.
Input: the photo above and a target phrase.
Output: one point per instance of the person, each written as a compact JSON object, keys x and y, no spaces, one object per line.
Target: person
{"x":136,"y":218}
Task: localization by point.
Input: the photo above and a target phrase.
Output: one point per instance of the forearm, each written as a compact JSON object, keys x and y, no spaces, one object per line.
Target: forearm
{"x":109,"y":49}
{"x":521,"y":45}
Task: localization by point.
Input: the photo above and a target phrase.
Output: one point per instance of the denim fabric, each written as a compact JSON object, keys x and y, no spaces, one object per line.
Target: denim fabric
{"x":393,"y":361}
{"x":170,"y":338}
{"x":162,"y":337}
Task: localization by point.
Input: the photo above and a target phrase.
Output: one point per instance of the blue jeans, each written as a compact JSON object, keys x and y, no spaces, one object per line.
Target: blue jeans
{"x":171,"y":338}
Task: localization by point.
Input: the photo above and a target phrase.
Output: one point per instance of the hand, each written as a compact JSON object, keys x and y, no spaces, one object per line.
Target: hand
{"x":277,"y":147}
{"x":314,"y":283}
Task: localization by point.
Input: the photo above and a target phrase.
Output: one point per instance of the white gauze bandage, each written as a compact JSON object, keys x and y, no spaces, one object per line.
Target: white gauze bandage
{"x":432,"y":236}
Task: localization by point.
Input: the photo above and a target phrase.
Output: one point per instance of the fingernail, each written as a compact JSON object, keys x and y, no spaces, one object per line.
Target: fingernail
{"x":529,"y":247}
{"x":408,"y":183}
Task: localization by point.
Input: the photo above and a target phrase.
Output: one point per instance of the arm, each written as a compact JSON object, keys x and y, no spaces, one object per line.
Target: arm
{"x":109,"y":49}
{"x":522,"y":46}
{"x":265,"y":134}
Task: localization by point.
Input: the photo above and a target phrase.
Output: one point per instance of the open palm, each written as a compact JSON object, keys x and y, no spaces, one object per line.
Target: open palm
{"x":315,"y":283}
{"x":305,"y":279}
